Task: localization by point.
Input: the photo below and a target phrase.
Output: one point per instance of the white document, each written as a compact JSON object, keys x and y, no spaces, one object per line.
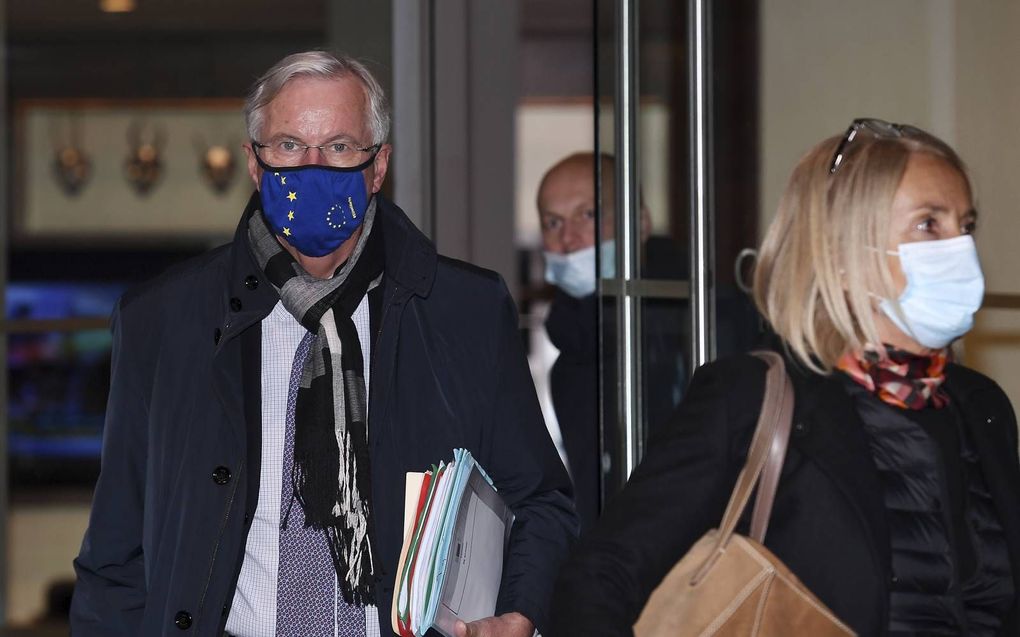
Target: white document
{"x":457,"y":551}
{"x":474,"y":566}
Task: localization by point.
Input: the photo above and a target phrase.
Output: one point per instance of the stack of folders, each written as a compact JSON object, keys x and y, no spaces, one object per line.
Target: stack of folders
{"x":456,"y":529}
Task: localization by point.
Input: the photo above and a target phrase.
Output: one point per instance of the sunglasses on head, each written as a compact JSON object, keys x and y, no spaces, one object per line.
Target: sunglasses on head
{"x":875,"y":127}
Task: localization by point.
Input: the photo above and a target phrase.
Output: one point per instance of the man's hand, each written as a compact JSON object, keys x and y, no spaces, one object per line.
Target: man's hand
{"x":507,"y":625}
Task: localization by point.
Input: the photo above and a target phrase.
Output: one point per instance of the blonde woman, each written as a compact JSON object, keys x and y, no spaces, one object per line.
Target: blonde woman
{"x":897,"y":505}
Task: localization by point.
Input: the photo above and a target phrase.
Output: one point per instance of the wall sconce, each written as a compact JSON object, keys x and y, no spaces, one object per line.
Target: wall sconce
{"x":72,"y":166}
{"x":217,"y":164}
{"x":144,"y":166}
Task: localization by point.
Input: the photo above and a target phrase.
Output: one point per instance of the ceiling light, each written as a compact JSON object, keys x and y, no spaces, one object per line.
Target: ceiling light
{"x":117,"y":6}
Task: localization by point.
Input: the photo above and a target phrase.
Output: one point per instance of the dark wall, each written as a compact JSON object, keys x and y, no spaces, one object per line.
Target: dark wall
{"x":164,"y":48}
{"x":145,"y":65}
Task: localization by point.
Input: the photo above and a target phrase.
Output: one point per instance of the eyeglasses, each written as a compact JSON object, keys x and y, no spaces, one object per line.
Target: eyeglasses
{"x":878,"y":128}
{"x":287,"y":153}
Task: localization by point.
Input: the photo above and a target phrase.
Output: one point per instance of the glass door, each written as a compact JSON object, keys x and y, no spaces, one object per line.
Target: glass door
{"x":677,"y":115}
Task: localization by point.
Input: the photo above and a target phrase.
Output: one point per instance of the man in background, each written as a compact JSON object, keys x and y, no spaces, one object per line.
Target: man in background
{"x":572,"y":233}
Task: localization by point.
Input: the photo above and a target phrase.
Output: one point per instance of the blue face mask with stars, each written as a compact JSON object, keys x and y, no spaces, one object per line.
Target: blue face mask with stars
{"x":314,"y":208}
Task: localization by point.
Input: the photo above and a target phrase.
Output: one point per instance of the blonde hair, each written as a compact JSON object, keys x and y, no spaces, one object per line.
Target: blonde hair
{"x":822,"y":262}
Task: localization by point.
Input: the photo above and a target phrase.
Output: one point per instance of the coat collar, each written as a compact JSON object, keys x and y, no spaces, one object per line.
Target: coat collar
{"x":411,"y":258}
{"x":410,"y":263}
{"x":249,"y":296}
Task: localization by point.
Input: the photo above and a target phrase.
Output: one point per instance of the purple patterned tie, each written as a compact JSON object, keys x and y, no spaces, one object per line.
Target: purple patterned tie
{"x":307,"y":603}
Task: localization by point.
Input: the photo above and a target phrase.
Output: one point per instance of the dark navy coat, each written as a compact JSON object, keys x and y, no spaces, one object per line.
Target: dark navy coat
{"x":181,"y":449}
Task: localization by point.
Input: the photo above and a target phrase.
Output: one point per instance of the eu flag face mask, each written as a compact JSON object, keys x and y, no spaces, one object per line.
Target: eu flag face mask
{"x":314,"y":208}
{"x":944,"y":290}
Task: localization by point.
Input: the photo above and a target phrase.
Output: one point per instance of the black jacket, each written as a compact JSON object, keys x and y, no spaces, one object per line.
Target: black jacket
{"x":573,"y":327}
{"x":180,"y":465}
{"x":828,"y":522}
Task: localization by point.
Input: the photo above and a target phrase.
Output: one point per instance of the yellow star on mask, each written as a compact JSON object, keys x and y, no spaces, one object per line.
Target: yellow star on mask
{"x":290,"y":216}
{"x":286,"y":231}
{"x":292,"y":196}
{"x":283,"y":181}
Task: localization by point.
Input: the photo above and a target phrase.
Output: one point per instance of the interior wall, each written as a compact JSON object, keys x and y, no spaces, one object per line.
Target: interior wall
{"x":944,"y":65}
{"x":988,"y":138}
{"x":825,"y":62}
{"x":45,"y":538}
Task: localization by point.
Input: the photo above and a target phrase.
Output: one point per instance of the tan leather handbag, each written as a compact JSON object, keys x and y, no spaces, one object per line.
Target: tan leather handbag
{"x":728,"y":584}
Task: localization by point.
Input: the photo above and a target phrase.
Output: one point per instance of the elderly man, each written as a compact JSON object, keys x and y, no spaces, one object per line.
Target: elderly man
{"x":269,"y":397}
{"x":566,"y":204}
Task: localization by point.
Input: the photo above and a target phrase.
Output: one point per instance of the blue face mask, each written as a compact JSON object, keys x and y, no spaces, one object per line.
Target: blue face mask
{"x":314,"y":208}
{"x":945,"y":288}
{"x":574,"y":273}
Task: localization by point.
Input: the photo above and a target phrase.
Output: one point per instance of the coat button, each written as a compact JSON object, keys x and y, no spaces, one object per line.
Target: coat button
{"x":182,"y":620}
{"x":251,"y":282}
{"x":216,"y":334}
{"x":221,"y":475}
{"x":799,"y":428}
{"x":235,"y":304}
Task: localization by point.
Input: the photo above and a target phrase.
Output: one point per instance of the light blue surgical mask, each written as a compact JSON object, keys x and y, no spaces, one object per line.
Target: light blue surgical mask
{"x":944,"y":290}
{"x":574,"y":273}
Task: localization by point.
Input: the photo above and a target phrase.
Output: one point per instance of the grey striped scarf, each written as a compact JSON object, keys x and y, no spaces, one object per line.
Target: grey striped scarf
{"x":331,"y":476}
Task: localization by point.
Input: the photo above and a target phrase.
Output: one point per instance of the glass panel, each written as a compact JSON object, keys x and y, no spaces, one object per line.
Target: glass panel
{"x":664,"y":140}
{"x":662,"y":122}
{"x":555,"y":182}
{"x":126,"y":133}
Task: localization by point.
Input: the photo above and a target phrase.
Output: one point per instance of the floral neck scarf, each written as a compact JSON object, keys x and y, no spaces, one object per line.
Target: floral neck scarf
{"x":901,"y":379}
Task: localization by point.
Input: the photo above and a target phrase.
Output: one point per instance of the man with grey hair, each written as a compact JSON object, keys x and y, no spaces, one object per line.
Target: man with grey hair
{"x":268,"y":398}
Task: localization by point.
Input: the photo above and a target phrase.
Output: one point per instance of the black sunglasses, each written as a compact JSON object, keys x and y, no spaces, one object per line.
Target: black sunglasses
{"x":877,"y":128}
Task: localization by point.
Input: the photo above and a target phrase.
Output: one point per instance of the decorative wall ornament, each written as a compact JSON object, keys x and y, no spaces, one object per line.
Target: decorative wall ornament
{"x":72,"y":166}
{"x":144,"y":166}
{"x":140,"y":176}
{"x":217,"y":163}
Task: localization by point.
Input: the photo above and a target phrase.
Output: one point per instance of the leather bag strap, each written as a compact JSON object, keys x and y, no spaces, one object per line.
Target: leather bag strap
{"x":776,"y":450}
{"x":764,"y":460}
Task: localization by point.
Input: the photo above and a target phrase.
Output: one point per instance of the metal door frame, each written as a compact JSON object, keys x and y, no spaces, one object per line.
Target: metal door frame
{"x":627,"y":289}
